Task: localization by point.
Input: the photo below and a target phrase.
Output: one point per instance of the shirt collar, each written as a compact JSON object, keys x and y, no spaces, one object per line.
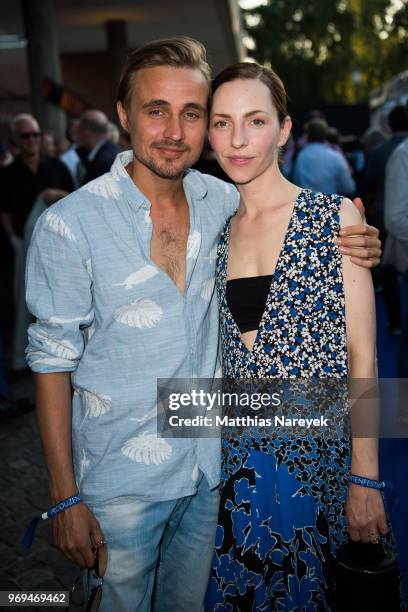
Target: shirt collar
{"x":193,"y":181}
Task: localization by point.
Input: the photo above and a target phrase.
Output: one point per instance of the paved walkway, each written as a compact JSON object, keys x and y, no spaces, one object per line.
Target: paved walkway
{"x":23,"y":493}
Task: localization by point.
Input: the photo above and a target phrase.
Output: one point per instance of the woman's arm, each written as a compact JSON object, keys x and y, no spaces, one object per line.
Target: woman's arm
{"x":364,"y":507}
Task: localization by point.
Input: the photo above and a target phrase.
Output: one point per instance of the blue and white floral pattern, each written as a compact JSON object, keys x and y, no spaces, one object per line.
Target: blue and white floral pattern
{"x":282,"y":497}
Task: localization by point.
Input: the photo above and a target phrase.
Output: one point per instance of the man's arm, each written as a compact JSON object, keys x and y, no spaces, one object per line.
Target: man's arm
{"x":65,"y":183}
{"x":60,"y":298}
{"x":61,"y":183}
{"x":76,"y":530}
{"x":51,"y":195}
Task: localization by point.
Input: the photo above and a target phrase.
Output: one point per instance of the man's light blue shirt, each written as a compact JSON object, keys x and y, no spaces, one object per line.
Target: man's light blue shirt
{"x":320,"y":168}
{"x":107,"y":314}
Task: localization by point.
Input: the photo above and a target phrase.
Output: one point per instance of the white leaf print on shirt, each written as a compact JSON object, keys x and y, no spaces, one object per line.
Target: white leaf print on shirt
{"x":62,"y":348}
{"x":147,"y":217}
{"x":208,"y":288}
{"x":195,"y":473}
{"x":193,"y":245}
{"x":137,"y":277}
{"x":106,"y":187}
{"x":96,"y":404}
{"x":147,"y":449}
{"x":58,"y":225}
{"x":146,"y":417}
{"x":83,"y":467}
{"x":139,"y":313}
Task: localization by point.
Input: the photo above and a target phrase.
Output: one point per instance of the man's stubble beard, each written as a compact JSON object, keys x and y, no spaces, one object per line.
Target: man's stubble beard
{"x":169,"y":173}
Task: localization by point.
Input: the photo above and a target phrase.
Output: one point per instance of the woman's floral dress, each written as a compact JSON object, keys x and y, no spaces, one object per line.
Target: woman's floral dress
{"x":282,"y":496}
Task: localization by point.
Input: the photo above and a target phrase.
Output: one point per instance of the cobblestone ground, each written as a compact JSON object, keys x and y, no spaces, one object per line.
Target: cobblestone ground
{"x":23,"y":493}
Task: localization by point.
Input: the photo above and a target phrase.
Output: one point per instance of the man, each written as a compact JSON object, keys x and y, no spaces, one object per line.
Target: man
{"x":374,"y":186}
{"x":28,"y":176}
{"x":396,"y":224}
{"x":374,"y":173}
{"x":96,"y":151}
{"x":135,"y":302}
{"x":320,"y":168}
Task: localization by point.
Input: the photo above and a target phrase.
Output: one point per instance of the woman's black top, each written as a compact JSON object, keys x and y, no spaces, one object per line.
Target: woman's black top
{"x":246,"y":298}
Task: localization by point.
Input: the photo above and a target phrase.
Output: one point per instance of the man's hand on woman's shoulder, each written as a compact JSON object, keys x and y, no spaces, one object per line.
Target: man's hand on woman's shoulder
{"x":359,"y":241}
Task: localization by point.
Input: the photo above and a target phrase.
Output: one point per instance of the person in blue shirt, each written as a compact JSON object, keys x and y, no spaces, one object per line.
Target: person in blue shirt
{"x":120,"y":279}
{"x":320,"y":168}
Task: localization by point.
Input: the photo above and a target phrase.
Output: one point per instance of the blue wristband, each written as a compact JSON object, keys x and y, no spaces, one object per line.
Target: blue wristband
{"x":50,"y":513}
{"x":385,"y":486}
{"x":367,"y":482}
{"x":63,"y":505}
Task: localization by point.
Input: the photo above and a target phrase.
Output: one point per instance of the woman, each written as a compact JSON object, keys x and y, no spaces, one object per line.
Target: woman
{"x":291,"y":306}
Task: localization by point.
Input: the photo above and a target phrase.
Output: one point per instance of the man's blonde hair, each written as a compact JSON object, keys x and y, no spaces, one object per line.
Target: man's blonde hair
{"x":180,"y":52}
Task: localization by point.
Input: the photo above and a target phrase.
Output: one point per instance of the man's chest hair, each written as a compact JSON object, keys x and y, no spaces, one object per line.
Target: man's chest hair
{"x":168,"y":249}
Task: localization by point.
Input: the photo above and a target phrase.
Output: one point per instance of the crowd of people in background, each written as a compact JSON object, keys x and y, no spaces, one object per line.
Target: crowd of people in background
{"x":36,"y":169}
{"x":374,"y":168}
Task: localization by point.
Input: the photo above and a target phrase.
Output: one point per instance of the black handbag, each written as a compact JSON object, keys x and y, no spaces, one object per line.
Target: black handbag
{"x":367,"y":578}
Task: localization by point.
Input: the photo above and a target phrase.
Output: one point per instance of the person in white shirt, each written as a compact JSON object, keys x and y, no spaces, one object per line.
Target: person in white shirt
{"x":396,"y":224}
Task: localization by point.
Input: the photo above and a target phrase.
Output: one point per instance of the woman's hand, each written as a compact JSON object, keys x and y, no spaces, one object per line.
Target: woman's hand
{"x":365,"y":514}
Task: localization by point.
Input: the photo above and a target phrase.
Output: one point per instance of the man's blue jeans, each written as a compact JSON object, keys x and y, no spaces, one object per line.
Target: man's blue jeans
{"x":159,"y":553}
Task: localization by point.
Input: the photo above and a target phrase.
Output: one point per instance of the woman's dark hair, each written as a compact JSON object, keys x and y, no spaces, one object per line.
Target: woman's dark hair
{"x":267,"y":76}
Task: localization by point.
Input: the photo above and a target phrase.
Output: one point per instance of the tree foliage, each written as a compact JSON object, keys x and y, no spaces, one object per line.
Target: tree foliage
{"x":330,"y":50}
